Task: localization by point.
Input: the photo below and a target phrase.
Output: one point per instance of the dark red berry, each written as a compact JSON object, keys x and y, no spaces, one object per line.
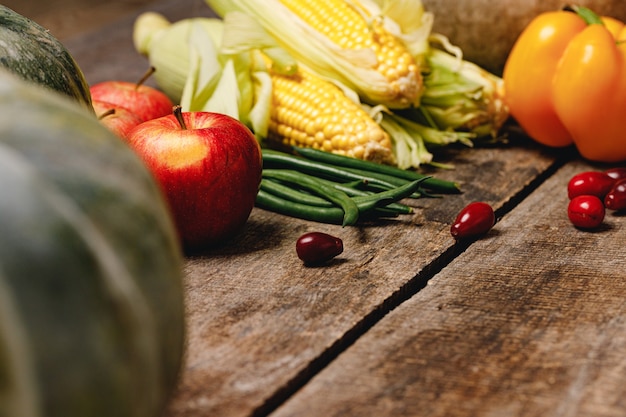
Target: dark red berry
{"x":590,"y":183}
{"x":616,"y":198}
{"x":475,"y":219}
{"x":315,"y":248}
{"x":586,"y":211}
{"x":617,"y":173}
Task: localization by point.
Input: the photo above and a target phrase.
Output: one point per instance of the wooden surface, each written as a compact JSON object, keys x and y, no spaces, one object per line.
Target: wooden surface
{"x":67,"y":18}
{"x":467,"y":20}
{"x":528,"y":321}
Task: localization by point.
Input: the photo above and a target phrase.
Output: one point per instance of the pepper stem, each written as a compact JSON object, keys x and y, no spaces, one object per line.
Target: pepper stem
{"x":588,"y":15}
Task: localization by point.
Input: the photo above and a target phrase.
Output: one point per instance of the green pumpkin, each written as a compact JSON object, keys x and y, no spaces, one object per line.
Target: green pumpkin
{"x":30,"y":51}
{"x":91,"y":299}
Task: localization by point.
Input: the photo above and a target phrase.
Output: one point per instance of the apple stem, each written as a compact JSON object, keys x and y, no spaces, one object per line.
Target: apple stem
{"x":178,"y":113}
{"x":143,"y":79}
{"x":106,"y":113}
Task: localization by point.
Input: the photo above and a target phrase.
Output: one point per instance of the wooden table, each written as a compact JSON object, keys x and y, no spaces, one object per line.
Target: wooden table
{"x":528,"y":321}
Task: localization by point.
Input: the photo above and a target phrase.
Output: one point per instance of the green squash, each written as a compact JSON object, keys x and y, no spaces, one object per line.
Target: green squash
{"x":91,"y":298}
{"x":30,"y":51}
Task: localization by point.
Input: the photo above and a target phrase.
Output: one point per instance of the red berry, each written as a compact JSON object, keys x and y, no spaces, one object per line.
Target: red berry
{"x":586,"y":211}
{"x":590,"y":183}
{"x":617,"y":173}
{"x":316,"y":248}
{"x":616,"y":198}
{"x":475,"y":219}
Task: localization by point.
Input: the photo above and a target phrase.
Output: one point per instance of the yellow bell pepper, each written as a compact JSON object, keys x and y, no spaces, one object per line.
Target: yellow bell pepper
{"x":565,"y":82}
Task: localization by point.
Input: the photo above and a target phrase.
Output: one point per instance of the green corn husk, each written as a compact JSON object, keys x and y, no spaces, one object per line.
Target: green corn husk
{"x":192,"y":70}
{"x":217,"y":65}
{"x":461,"y":95}
{"x":353,"y":68}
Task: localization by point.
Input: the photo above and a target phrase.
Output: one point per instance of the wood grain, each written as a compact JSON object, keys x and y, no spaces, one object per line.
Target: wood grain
{"x":466,"y":22}
{"x":69,"y":18}
{"x":530,"y":321}
{"x":108,"y":53}
{"x":260,"y":323}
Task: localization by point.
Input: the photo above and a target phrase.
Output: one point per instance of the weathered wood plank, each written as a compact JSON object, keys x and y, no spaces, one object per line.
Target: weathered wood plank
{"x":108,"y":53}
{"x":70,"y":18}
{"x":471,"y":22}
{"x":529,"y":321}
{"x":260,"y":324}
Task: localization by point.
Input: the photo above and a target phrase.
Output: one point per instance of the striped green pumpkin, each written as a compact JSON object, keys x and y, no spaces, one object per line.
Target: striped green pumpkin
{"x":91,"y":299}
{"x":33,"y":53}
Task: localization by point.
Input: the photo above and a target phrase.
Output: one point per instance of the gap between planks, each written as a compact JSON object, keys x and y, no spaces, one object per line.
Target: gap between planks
{"x":404,"y":293}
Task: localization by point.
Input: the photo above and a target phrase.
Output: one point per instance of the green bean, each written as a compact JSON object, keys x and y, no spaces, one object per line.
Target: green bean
{"x":375,"y":180}
{"x":390,"y":196}
{"x":269,"y":201}
{"x":433,"y":184}
{"x":350,"y":188}
{"x":350,"y":209}
{"x":380,"y":212}
{"x":334,"y":215}
{"x":325,"y":192}
{"x":276,"y":159}
{"x":353,"y":192}
{"x":295,"y":195}
{"x":396,"y":181}
{"x":374,"y":204}
{"x":292,"y":194}
{"x":353,"y":189}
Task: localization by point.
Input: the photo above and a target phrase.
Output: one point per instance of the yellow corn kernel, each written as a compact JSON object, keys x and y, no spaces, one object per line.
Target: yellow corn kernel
{"x":311,"y":112}
{"x":347,"y":28}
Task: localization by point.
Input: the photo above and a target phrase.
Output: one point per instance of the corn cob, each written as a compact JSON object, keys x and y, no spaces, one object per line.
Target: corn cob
{"x":347,"y":27}
{"x":309,"y":111}
{"x":342,"y":40}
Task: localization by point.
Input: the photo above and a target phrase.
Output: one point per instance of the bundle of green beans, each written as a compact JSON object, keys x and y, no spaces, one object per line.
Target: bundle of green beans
{"x":329,"y":188}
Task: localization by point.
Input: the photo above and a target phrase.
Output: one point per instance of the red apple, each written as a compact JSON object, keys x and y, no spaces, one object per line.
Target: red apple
{"x":209,"y":166}
{"x":118,"y":119}
{"x":145,"y":101}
